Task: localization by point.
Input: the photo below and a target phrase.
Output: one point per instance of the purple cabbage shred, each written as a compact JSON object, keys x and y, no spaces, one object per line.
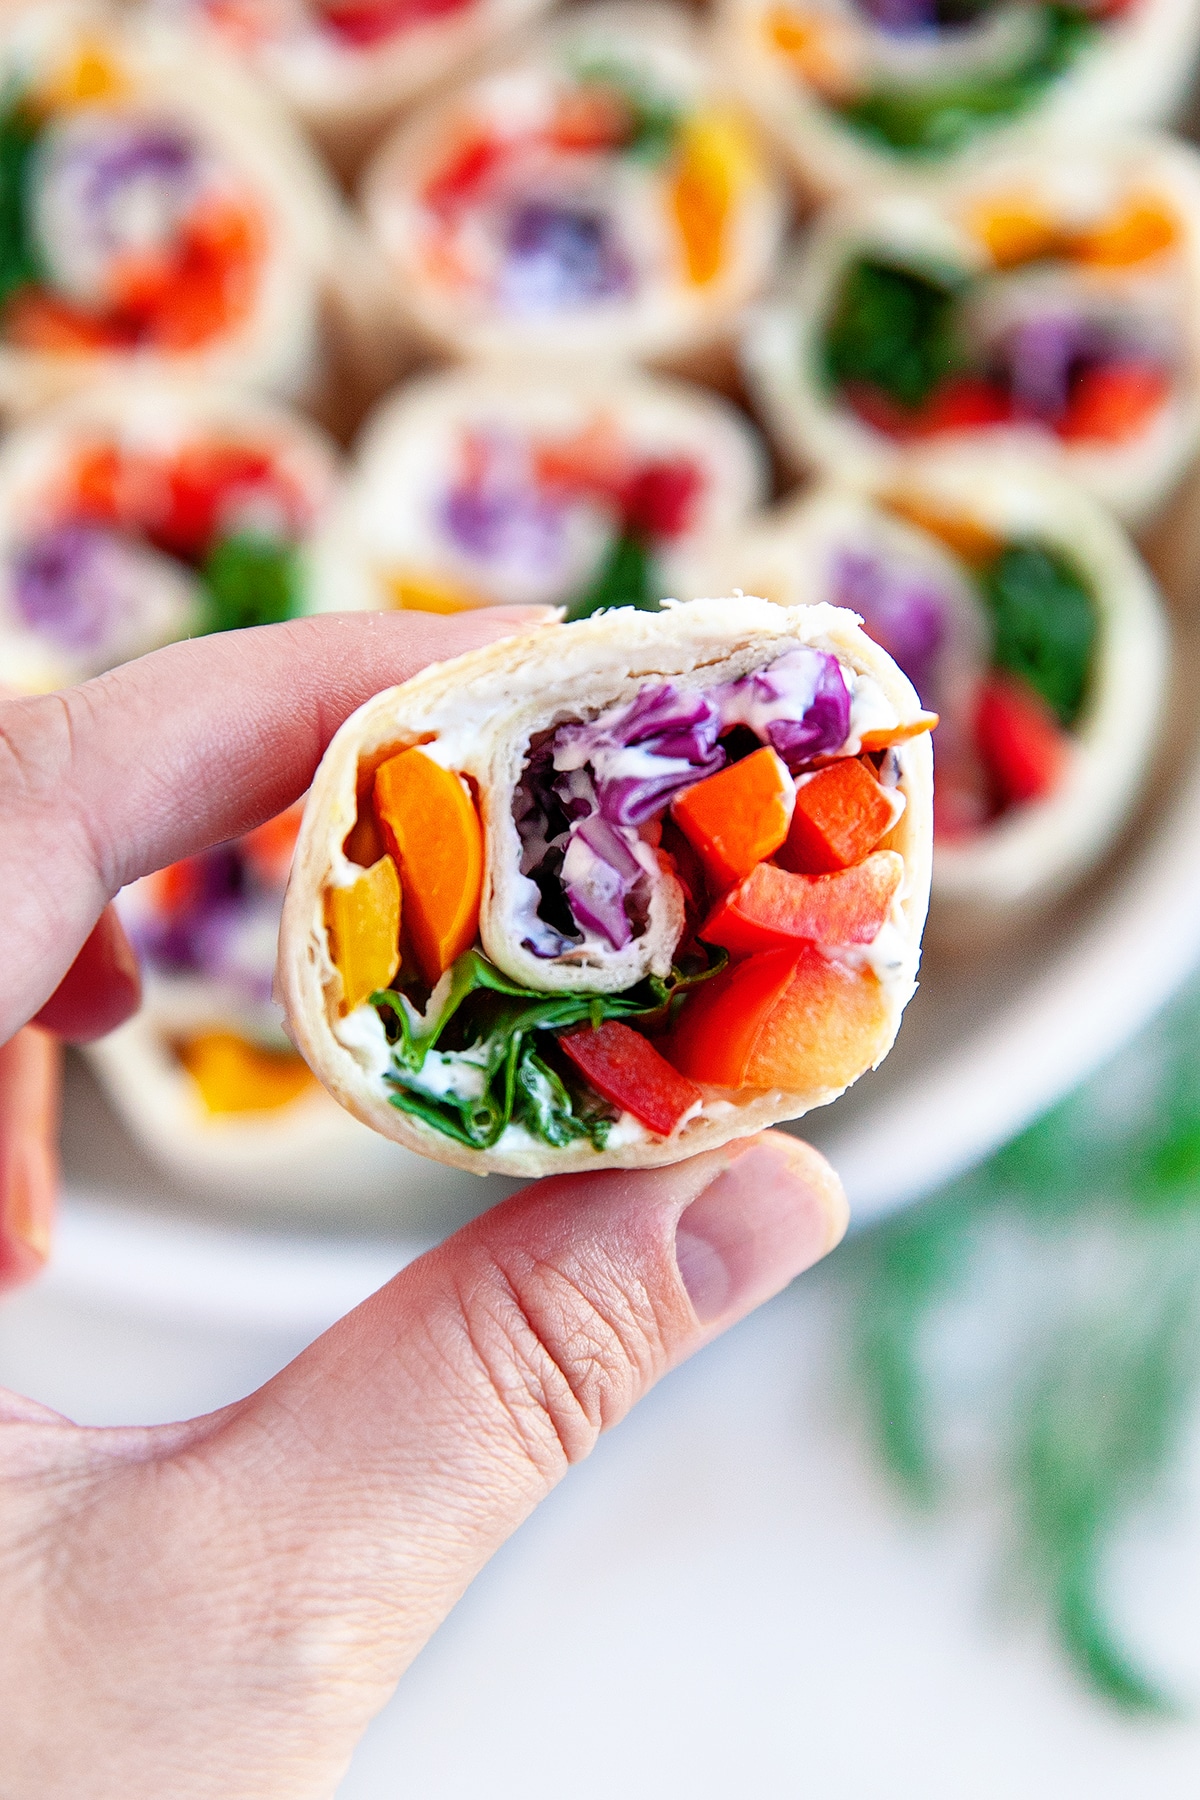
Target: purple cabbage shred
{"x":561,"y":257}
{"x":589,"y":788}
{"x":75,"y":584}
{"x":903,"y":612}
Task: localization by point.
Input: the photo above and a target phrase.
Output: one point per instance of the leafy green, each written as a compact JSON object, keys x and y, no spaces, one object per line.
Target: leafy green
{"x":250,"y":580}
{"x":940,"y":119}
{"x":654,"y":121}
{"x":19,"y":261}
{"x":625,"y":577}
{"x":1045,"y":623}
{"x":501,"y":1029}
{"x":893,"y":326}
{"x":1106,"y":1404}
{"x":1088,"y":1398}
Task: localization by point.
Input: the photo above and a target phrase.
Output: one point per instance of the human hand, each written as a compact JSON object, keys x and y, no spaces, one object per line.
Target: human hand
{"x":217,"y":1608}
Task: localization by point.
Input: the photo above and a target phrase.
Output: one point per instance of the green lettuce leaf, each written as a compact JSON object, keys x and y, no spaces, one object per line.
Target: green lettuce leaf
{"x":491,"y":1024}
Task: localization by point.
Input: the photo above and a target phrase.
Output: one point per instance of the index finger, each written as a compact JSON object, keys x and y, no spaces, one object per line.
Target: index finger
{"x":185,"y":748}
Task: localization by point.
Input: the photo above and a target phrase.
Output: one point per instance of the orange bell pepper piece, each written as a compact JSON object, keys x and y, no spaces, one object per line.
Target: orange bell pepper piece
{"x":627,"y":1070}
{"x":1113,"y":402}
{"x":736,"y":818}
{"x":839,"y":817}
{"x":364,"y":926}
{"x":888,"y":735}
{"x":713,"y":1038}
{"x":773,"y":908}
{"x":828,"y":1027}
{"x":432,"y":831}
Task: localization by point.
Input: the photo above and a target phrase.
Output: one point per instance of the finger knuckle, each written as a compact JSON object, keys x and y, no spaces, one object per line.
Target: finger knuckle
{"x":565,"y":1350}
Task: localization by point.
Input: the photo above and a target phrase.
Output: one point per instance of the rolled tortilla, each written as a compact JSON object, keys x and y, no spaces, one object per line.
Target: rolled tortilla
{"x":203,"y":1076}
{"x":507,"y":485}
{"x":861,"y":94}
{"x":597,"y":194}
{"x":139,"y":512}
{"x":168,"y":215}
{"x":1028,"y":622}
{"x":1049,"y":305}
{"x":348,"y":67}
{"x":569,"y":771}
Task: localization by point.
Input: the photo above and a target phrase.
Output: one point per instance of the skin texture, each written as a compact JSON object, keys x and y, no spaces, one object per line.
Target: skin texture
{"x":217,"y":1608}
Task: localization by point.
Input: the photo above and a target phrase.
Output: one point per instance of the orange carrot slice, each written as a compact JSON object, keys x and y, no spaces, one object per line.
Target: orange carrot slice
{"x":737,"y":818}
{"x":432,"y":831}
{"x":840,"y":816}
{"x":364,"y":926}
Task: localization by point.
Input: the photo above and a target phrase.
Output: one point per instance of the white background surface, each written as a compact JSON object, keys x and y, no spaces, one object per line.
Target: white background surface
{"x":725,"y":1601}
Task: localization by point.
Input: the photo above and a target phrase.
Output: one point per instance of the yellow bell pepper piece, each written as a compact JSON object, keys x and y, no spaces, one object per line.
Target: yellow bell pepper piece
{"x":432,"y":829}
{"x":364,"y":929}
{"x":422,"y":593}
{"x":234,"y":1076}
{"x":91,"y":73}
{"x":716,"y":160}
{"x":1015,"y":230}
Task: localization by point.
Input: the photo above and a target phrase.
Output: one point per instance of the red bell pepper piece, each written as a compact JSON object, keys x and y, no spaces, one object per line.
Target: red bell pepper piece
{"x":625,"y":1068}
{"x":1112,"y":402}
{"x":660,"y":497}
{"x":773,"y":908}
{"x":839,"y":817}
{"x":713,"y":1038}
{"x":1022,"y":743}
{"x":961,"y":403}
{"x":736,"y":818}
{"x":366,"y":22}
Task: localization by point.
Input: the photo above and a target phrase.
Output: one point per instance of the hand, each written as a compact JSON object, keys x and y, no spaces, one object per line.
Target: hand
{"x":217,"y":1608}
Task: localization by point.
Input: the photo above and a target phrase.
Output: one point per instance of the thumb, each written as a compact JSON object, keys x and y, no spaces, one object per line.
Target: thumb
{"x":395,"y":1455}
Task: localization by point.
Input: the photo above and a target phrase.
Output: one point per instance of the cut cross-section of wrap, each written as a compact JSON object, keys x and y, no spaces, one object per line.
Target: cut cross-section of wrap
{"x":160,"y":211}
{"x":614,"y":892}
{"x":860,"y":93}
{"x":1027,"y":621}
{"x":514,"y":486}
{"x":203,"y":1075}
{"x":139,"y":512}
{"x":597,"y":194}
{"x":346,"y":67}
{"x":1049,"y":304}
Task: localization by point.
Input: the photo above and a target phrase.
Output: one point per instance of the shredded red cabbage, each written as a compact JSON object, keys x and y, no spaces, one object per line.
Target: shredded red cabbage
{"x":589,"y":789}
{"x":799,"y":705}
{"x":901,"y":609}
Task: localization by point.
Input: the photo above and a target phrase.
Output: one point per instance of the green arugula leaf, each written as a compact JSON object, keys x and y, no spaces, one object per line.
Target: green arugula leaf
{"x":1045,"y":622}
{"x":937,"y":120}
{"x":625,"y":577}
{"x":250,"y":580}
{"x":892,"y":326}
{"x":483,"y":1011}
{"x":655,"y":121}
{"x":19,"y":260}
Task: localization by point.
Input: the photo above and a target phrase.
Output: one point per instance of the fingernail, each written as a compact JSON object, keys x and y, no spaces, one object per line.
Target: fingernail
{"x":772,"y":1212}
